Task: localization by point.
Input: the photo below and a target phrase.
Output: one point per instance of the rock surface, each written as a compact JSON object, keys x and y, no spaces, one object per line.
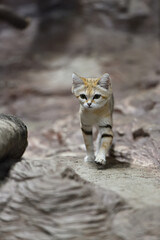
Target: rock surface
{"x":49,"y":205}
{"x":57,"y":204}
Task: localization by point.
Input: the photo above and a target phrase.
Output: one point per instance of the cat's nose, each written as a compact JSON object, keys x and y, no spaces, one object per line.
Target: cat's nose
{"x":89,"y":104}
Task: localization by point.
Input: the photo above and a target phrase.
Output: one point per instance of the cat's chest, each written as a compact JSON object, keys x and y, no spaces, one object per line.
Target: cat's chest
{"x":89,"y":118}
{"x":96,"y":116}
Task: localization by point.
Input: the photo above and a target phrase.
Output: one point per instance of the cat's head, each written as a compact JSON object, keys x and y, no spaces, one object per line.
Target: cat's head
{"x":92,"y":93}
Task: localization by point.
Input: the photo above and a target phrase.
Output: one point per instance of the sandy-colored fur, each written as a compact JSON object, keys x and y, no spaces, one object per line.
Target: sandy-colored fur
{"x":96,"y":106}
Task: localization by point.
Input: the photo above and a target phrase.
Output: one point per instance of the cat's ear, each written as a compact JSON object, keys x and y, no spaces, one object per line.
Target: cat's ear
{"x":77,"y":81}
{"x":105,"y":81}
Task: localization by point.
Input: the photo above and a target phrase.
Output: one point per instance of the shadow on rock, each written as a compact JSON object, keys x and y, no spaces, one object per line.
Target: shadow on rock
{"x":112,"y":162}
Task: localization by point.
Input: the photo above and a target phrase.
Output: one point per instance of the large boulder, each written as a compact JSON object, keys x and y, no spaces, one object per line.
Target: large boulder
{"x":13,"y":141}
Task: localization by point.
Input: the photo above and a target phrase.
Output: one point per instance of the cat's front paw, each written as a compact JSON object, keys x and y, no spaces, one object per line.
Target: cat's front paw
{"x":100,"y":160}
{"x":89,"y":159}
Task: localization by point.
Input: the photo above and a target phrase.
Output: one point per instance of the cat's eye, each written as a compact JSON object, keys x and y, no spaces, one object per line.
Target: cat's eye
{"x":83,"y":96}
{"x":96,"y":96}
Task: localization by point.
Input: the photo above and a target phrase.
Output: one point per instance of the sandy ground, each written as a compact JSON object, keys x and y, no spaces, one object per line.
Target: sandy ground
{"x":140,"y":186}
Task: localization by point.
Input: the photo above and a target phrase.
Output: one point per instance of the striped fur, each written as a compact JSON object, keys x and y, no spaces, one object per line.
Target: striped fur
{"x":96,"y":107}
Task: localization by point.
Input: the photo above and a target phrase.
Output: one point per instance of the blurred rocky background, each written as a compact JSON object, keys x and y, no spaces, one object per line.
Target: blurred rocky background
{"x":78,"y":200}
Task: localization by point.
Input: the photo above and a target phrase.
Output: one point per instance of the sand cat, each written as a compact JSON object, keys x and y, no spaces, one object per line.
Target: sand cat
{"x":96,"y":107}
